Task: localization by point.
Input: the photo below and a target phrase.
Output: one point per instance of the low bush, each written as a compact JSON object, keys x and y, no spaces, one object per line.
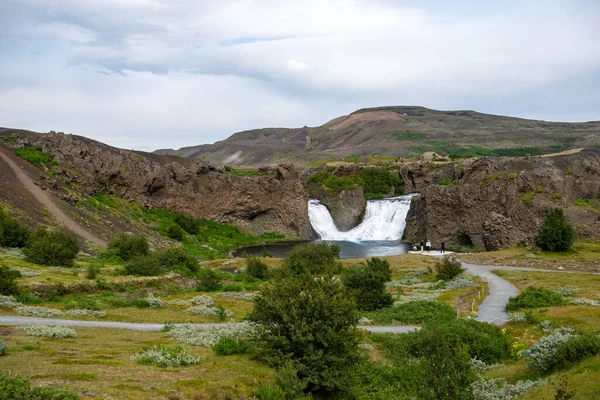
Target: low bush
{"x":207,"y":336}
{"x":448,"y":268}
{"x":576,"y":349}
{"x":92,"y":272}
{"x":15,"y":387}
{"x":82,"y":312}
{"x":485,"y":342}
{"x":209,"y":280}
{"x":227,"y":346}
{"x":567,"y":291}
{"x":319,"y":258}
{"x":9,"y":302}
{"x":82,"y":302}
{"x":534,"y":298}
{"x":50,"y":331}
{"x":58,"y":248}
{"x":270,"y":392}
{"x":541,"y":356}
{"x":12,"y":233}
{"x":164,"y":356}
{"x":415,"y":312}
{"x":175,"y":232}
{"x":178,"y":260}
{"x":499,"y":389}
{"x":129,"y":246}
{"x":3,"y":348}
{"x":190,"y":224}
{"x":8,"y":281}
{"x":367,"y":283}
{"x":256,"y":268}
{"x":202,"y":300}
{"x":42,"y":312}
{"x":144,"y":266}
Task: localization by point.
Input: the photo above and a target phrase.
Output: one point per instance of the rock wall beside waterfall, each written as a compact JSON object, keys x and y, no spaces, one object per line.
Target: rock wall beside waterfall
{"x":346,"y":207}
{"x":498,"y":202}
{"x":256,"y":204}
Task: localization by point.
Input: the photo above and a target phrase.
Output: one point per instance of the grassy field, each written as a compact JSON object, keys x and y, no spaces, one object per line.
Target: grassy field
{"x":97,"y":365}
{"x":584,"y":256}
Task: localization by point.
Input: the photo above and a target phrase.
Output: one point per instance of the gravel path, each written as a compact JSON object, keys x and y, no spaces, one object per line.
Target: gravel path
{"x":44,"y":198}
{"x":150,"y":327}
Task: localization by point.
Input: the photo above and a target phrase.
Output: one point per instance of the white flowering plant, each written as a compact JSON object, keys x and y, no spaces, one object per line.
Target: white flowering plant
{"x":50,"y":331}
{"x":207,"y":336}
{"x":164,"y":356}
{"x":39,"y":311}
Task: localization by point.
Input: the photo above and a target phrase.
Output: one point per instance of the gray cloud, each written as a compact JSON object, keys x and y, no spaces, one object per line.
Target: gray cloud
{"x":149,"y":73}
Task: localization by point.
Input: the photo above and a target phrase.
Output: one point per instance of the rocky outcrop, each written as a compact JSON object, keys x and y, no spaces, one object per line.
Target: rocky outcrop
{"x":346,"y":207}
{"x":256,"y":204}
{"x":497,"y":202}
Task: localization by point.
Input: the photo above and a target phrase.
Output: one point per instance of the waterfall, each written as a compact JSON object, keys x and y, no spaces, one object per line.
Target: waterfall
{"x":384,"y":220}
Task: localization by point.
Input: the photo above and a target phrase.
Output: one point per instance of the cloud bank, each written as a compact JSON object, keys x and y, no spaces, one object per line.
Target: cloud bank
{"x":150,"y":74}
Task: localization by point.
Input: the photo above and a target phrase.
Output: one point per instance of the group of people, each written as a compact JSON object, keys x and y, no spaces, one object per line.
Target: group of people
{"x":426,"y":246}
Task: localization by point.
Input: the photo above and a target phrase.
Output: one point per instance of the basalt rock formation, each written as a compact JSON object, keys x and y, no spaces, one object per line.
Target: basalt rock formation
{"x":346,"y":207}
{"x":495,"y":202}
{"x":256,"y":204}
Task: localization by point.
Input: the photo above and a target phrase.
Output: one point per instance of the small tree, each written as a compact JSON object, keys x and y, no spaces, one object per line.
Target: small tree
{"x":57,"y":248}
{"x":178,"y":260}
{"x":307,"y":330}
{"x":367,"y":283}
{"x":256,"y":268}
{"x":12,"y":234}
{"x":556,"y":233}
{"x":129,"y":246}
{"x":448,"y":268}
{"x":8,"y":283}
{"x":319,"y":258}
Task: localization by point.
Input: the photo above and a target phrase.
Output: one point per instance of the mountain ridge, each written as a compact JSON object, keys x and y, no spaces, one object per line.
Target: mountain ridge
{"x":397,"y":131}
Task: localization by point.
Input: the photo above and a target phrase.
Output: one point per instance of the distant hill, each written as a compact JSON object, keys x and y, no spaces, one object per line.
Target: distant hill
{"x":400,"y":131}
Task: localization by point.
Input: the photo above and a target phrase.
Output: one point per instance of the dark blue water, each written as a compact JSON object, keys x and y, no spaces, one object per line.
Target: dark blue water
{"x":365,"y":249}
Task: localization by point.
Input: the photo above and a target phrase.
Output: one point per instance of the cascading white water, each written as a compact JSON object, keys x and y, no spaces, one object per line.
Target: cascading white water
{"x":384,"y":220}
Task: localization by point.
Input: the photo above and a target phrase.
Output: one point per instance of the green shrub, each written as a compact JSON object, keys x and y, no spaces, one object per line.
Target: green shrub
{"x":444,"y":182}
{"x":83,"y":303}
{"x":415,"y":312}
{"x":256,"y":268}
{"x":576,"y":349}
{"x":35,"y":155}
{"x":446,"y":367}
{"x":144,"y":266}
{"x":209,"y":280}
{"x":175,"y":232}
{"x":270,"y":392}
{"x":307,"y":330}
{"x":534,"y":298}
{"x":57,"y":248}
{"x":484,"y":342}
{"x":92,"y":271}
{"x":3,"y":348}
{"x":178,"y":260}
{"x":448,"y":268}
{"x":129,"y":246}
{"x":8,"y":281}
{"x":367,"y":283}
{"x":319,"y":258}
{"x":15,"y":387}
{"x":384,"y":381}
{"x":379,"y":182}
{"x":556,"y":233}
{"x":190,"y":224}
{"x":227,"y":346}
{"x":12,"y":234}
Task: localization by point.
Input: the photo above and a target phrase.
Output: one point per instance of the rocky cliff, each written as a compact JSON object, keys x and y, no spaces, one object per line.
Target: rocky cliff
{"x":497,"y":202}
{"x":256,"y":204}
{"x":346,"y":207}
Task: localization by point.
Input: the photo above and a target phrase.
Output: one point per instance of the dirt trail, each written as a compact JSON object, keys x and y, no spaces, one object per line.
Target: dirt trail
{"x":44,"y":198}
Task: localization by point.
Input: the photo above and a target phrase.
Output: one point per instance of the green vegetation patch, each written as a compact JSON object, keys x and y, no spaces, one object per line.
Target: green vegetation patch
{"x":444,"y":182}
{"x":15,"y":387}
{"x":35,"y":156}
{"x":414,"y":312}
{"x":534,"y":298}
{"x":377,"y":182}
{"x":408,"y":136}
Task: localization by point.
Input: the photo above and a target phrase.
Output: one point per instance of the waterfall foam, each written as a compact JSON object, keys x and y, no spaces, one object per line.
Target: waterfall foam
{"x":384,"y":220}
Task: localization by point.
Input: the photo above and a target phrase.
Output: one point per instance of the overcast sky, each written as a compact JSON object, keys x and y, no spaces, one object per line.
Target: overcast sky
{"x":149,"y":74}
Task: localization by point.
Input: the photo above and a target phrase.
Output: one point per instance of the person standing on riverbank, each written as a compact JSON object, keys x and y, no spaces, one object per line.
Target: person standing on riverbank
{"x":443,"y":247}
{"x":428,"y":245}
